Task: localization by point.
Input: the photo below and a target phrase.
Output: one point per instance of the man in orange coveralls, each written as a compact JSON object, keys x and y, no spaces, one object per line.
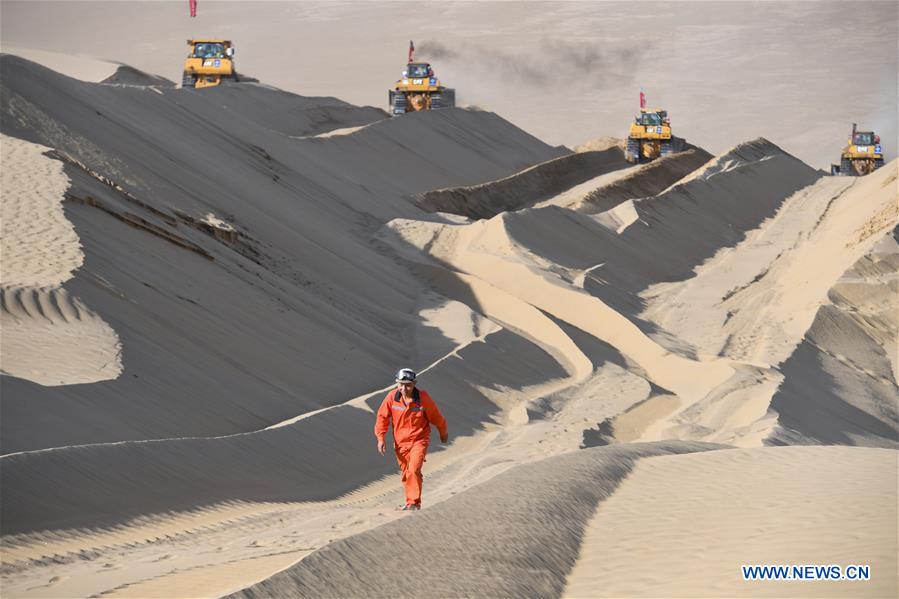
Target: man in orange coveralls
{"x":412,"y":412}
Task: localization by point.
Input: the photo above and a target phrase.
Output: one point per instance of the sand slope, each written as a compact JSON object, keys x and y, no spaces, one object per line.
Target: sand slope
{"x":717,"y":212}
{"x":300,"y":268}
{"x":840,"y":383}
{"x":773,"y":284}
{"x":497,"y":541}
{"x":81,"y":67}
{"x":756,"y":303}
{"x":789,"y":505}
{"x":490,"y":541}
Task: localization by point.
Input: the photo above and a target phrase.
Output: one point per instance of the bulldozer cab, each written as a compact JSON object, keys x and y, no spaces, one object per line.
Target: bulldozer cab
{"x":649,"y":118}
{"x":209,"y":50}
{"x":418,"y":70}
{"x":863,"y":138}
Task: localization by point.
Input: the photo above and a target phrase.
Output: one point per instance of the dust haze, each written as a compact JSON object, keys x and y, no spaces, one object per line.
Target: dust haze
{"x":551,"y":64}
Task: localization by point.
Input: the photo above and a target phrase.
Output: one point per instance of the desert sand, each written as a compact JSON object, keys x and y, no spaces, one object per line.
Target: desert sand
{"x":57,"y":339}
{"x":653,"y":374}
{"x":758,"y":513}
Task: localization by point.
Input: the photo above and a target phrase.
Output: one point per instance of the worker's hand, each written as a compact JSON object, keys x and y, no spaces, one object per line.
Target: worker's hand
{"x":382,"y":446}
{"x":444,"y":438}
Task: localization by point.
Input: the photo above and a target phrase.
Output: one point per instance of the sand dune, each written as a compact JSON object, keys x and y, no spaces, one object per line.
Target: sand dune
{"x":302,"y":209}
{"x":705,"y":399}
{"x":728,"y":276}
{"x":85,"y":68}
{"x":485,"y":251}
{"x":852,"y":341}
{"x":266,"y":264}
{"x":529,"y":550}
{"x":717,"y":212}
{"x":756,"y":512}
{"x":755,"y":302}
{"x":773,"y":283}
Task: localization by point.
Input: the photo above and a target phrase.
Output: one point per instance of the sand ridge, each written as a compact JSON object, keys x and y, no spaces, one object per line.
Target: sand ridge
{"x":534,"y":531}
{"x":483,"y":250}
{"x":85,"y":68}
{"x":757,"y":300}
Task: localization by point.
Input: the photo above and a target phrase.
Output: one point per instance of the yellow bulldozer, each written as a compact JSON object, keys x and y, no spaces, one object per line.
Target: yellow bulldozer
{"x":862,"y":155}
{"x":650,"y":135}
{"x":419,"y":89}
{"x":209,"y":63}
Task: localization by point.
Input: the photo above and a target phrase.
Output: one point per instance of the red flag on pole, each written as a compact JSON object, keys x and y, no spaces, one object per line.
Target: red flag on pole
{"x":193,"y":8}
{"x":642,"y":99}
{"x":411,"y":50}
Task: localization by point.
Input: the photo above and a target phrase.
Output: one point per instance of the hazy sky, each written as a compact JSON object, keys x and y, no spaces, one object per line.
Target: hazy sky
{"x":797,"y":73}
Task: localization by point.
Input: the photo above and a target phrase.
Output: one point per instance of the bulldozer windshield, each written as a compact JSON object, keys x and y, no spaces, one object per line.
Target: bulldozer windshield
{"x":649,"y":118}
{"x":417,"y":70}
{"x":863,"y":139}
{"x":209,"y":50}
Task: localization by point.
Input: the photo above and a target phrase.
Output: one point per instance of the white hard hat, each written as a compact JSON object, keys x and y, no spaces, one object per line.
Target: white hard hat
{"x":406,"y":375}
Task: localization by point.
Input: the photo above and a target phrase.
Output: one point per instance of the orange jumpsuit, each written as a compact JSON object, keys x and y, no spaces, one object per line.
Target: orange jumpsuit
{"x":411,"y":434}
